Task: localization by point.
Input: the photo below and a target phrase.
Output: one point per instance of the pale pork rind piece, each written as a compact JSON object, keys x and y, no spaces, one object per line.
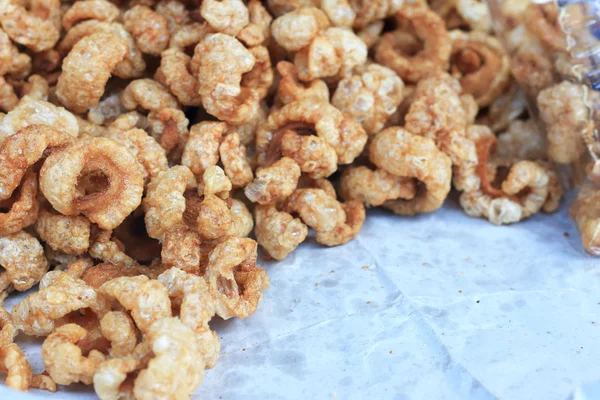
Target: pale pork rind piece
{"x":214,"y":220}
{"x":296,"y":29}
{"x":103,"y":247}
{"x":22,"y":257}
{"x":119,"y":329}
{"x":214,"y":181}
{"x":225,"y":16}
{"x":375,"y":187}
{"x":371,"y":96}
{"x":111,"y":374}
{"x":316,"y":208}
{"x":176,"y":75}
{"x":233,"y":278}
{"x":107,"y":202}
{"x":36,"y":28}
{"x":86,"y":70}
{"x":149,"y":28}
{"x":63,"y":359}
{"x":181,"y":249}
{"x":290,"y":87}
{"x":146,"y":299}
{"x":164,"y":202}
{"x":584,"y":211}
{"x":59,"y":295}
{"x":100,"y":10}
{"x":69,"y":234}
{"x":277,"y":231}
{"x":202,"y":148}
{"x":274,"y":183}
{"x":147,"y":94}
{"x":234,"y":160}
{"x":15,"y":364}
{"x":258,"y":30}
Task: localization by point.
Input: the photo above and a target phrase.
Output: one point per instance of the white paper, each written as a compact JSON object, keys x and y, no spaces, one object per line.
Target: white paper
{"x":439,"y":306}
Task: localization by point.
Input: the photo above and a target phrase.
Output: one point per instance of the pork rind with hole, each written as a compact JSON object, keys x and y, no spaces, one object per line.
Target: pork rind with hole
{"x":115,"y":181}
{"x":37,"y":28}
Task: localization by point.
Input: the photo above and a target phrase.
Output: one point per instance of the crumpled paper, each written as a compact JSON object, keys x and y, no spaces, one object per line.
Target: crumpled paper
{"x":440,"y":306}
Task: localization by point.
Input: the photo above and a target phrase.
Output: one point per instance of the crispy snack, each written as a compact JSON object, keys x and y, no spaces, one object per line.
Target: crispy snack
{"x":181,"y":249}
{"x":69,"y":234}
{"x":22,"y":257}
{"x":524,"y":140}
{"x":277,"y":231}
{"x":584,"y":211}
{"x":338,"y":130}
{"x":480,"y":63}
{"x":176,"y":75}
{"x":233,"y":278}
{"x":8,"y":97}
{"x":532,"y":69}
{"x":104,"y":247}
{"x":567,"y":118}
{"x":291,"y":89}
{"x":240,"y":217}
{"x":295,"y":30}
{"x":371,"y":95}
{"x":343,"y":233}
{"x":147,"y":94}
{"x":419,"y":49}
{"x":22,"y":207}
{"x":214,"y":220}
{"x":202,"y":148}
{"x":98,"y":177}
{"x":169,"y":127}
{"x":375,"y":187}
{"x":177,"y":368}
{"x":370,"y":11}
{"x":86,"y":70}
{"x":100,"y":10}
{"x":196,"y":308}
{"x":109,"y":378}
{"x":543,"y":21}
{"x":14,"y":362}
{"x":43,"y":382}
{"x":164,"y":202}
{"x":214,"y":181}
{"x":63,"y":359}
{"x":8,"y":331}
{"x":147,"y":300}
{"x":59,"y":295}
{"x":97,"y":275}
{"x":149,"y":29}
{"x":258,"y":30}
{"x":274,"y":183}
{"x":36,"y":27}
{"x":413,"y":157}
{"x":316,"y":208}
{"x":119,"y":329}
{"x":227,"y":16}
{"x":234,"y":160}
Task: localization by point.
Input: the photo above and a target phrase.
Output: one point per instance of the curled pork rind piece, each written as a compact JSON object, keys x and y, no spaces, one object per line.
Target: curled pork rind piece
{"x":375,"y":187}
{"x":69,"y":234}
{"x":22,"y":207}
{"x":564,"y":112}
{"x":403,"y":154}
{"x":29,"y":27}
{"x":118,"y":192}
{"x":214,"y":181}
{"x":277,"y":231}
{"x":585,"y":212}
{"x":14,"y":362}
{"x":110,"y":376}
{"x":258,"y":30}
{"x":147,"y":300}
{"x":119,"y":329}
{"x":22,"y":256}
{"x":176,"y":75}
{"x":234,"y":160}
{"x":86,"y":70}
{"x":316,"y":208}
{"x":148,"y":153}
{"x":177,"y":368}
{"x":291,"y":88}
{"x":214,"y":220}
{"x":8,"y":331}
{"x":149,"y":28}
{"x":196,"y":308}
{"x":420,"y":50}
{"x":201,"y":151}
{"x":481,"y":64}
{"x":524,"y":140}
{"x":104,"y":247}
{"x":100,"y":10}
{"x":22,"y":150}
{"x":220,"y":83}
{"x":371,"y":96}
{"x":164,"y":202}
{"x":63,"y":359}
{"x":274,"y":183}
{"x":226,"y":16}
{"x":343,"y":233}
{"x":543,"y":20}
{"x":337,"y":129}
{"x":59,"y":295}
{"x":169,"y":127}
{"x":37,"y":112}
{"x":371,"y":11}
{"x":147,"y":94}
{"x":296,"y":29}
{"x":233,"y":278}
{"x":240,"y":217}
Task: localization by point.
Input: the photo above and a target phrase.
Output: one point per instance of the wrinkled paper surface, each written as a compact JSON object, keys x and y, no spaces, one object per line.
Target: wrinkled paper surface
{"x":440,"y":306}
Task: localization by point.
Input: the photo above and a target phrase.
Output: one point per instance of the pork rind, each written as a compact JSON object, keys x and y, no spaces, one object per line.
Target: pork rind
{"x":149,"y":28}
{"x":214,"y":220}
{"x":177,"y":368}
{"x":290,"y":87}
{"x":59,"y":295}
{"x":8,"y":97}
{"x":371,"y":11}
{"x":190,"y":294}
{"x":277,"y":231}
{"x":316,"y":208}
{"x":169,"y":127}
{"x":36,"y":28}
{"x":233,"y":278}
{"x":176,"y":75}
{"x":480,"y":63}
{"x":227,"y":16}
{"x":15,"y":364}
{"x":274,"y":183}
{"x":63,"y":359}
{"x":234,"y":160}
{"x":567,"y":119}
{"x":202,"y":148}
{"x":22,"y":257}
{"x":354,"y":217}
{"x":13,"y":63}
{"x":214,"y":181}
{"x":181,"y":249}
{"x":296,"y":29}
{"x":119,"y":329}
{"x":471,"y":15}
{"x":420,"y":48}
{"x":338,"y":130}
{"x":98,"y":177}
{"x":584,"y":211}
{"x":371,"y":96}
{"x":258,"y":30}
{"x":240,"y":217}
{"x":22,"y":207}
{"x":86,"y":70}
{"x":147,"y":300}
{"x":69,"y":234}
{"x":164,"y":202}
{"x":375,"y":187}
{"x":220,"y":83}
{"x":100,"y":10}
{"x":110,"y":377}
{"x":108,"y":249}
{"x":403,"y":154}
{"x":147,"y":94}
{"x":23,"y":149}
{"x":36,"y":112}
{"x":148,"y":153}
{"x":524,"y":140}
